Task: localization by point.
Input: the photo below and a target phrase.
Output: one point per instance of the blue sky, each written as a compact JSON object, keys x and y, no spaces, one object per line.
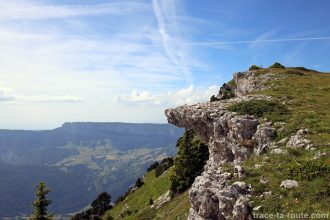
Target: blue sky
{"x":70,"y":60}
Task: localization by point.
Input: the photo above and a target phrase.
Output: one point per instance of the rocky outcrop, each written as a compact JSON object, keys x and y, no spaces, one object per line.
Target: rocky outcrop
{"x":162,"y":200}
{"x":226,"y":91}
{"x":231,"y":138}
{"x":250,"y":81}
{"x":299,"y":140}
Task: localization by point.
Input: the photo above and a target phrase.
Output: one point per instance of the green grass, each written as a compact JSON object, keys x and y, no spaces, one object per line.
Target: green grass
{"x":178,"y":208}
{"x":273,"y":110}
{"x":306,"y":94}
{"x":136,"y":205}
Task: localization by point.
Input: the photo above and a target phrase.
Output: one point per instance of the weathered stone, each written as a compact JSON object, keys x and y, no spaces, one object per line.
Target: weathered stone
{"x":231,"y":138}
{"x":263,"y":137}
{"x":266,"y":194}
{"x":299,"y":141}
{"x":319,"y":155}
{"x":289,"y":184}
{"x":226,"y":92}
{"x":162,"y":200}
{"x":239,"y":172}
{"x":277,"y":151}
{"x":264,"y":180}
{"x":247,"y":82}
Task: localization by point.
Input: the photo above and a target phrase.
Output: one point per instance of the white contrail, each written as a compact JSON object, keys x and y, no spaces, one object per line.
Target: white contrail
{"x":170,"y":51}
{"x":254,"y":41}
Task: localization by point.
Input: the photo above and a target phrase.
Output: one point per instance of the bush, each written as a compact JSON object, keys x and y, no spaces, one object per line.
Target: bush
{"x":277,"y":65}
{"x":164,"y":165}
{"x":259,"y":108}
{"x":308,"y":170}
{"x":189,"y":163}
{"x":98,"y":207}
{"x":254,"y":67}
{"x":153,"y":166}
{"x":138,"y":182}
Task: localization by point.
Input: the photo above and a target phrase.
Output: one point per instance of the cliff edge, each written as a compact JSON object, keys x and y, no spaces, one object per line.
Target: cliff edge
{"x":235,"y":128}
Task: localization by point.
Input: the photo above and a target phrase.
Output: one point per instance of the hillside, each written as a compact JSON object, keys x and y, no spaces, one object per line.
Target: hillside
{"x":136,"y":205}
{"x":268,"y":132}
{"x":78,"y":161}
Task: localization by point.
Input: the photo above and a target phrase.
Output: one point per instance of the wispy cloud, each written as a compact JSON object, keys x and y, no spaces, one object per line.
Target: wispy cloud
{"x":32,"y":12}
{"x":165,"y":12}
{"x":254,"y":42}
{"x":189,"y":95}
{"x":8,"y":95}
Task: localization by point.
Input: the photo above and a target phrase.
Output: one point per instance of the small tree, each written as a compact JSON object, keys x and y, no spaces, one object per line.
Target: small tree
{"x":189,"y":163}
{"x":138,"y":182}
{"x":254,"y":67}
{"x":277,"y":65}
{"x":101,"y":204}
{"x":40,"y":205}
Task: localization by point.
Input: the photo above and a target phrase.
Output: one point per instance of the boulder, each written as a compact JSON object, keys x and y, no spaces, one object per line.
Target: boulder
{"x":289,"y":184}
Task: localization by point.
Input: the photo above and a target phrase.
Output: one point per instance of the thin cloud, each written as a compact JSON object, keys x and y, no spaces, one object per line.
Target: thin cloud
{"x":188,"y":95}
{"x":48,"y":98}
{"x":8,"y":95}
{"x":166,"y":10}
{"x":34,"y":12}
{"x":255,"y":41}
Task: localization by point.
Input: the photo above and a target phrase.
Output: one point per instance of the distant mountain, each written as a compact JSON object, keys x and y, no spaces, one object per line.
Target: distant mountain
{"x":78,"y":161}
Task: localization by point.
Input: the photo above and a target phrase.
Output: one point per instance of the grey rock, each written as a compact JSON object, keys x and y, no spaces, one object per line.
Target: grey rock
{"x":299,"y":141}
{"x":162,"y":200}
{"x":289,"y":184}
{"x":319,"y":155}
{"x":264,"y":180}
{"x":231,"y":138}
{"x":263,"y":137}
{"x":266,"y":194}
{"x":239,"y":172}
{"x":277,"y":151}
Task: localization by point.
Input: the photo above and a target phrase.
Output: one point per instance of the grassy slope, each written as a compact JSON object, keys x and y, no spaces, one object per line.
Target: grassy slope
{"x":138,"y":202}
{"x":307,"y":94}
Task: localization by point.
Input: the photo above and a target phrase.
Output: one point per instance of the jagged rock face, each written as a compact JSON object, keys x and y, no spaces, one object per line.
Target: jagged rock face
{"x":231,"y":138}
{"x":226,"y":92}
{"x":250,"y":81}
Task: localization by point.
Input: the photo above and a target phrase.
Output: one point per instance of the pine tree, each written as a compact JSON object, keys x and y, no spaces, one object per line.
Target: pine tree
{"x":40,"y":205}
{"x":189,"y":163}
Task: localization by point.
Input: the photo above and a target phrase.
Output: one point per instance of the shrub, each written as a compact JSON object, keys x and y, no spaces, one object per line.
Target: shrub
{"x":308,"y":170}
{"x":259,"y":108}
{"x":138,"y":182}
{"x":153,"y":166}
{"x":277,"y":65}
{"x":164,"y":165}
{"x":254,"y":67}
{"x":189,"y":163}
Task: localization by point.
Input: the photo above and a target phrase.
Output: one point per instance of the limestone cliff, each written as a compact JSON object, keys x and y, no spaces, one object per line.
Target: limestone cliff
{"x":231,"y":138}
